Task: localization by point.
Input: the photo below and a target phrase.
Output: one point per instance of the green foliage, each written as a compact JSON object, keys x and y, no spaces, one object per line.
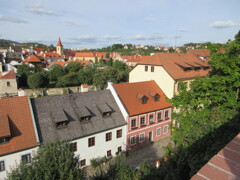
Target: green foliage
{"x":52,"y":161}
{"x":38,"y":80}
{"x":73,"y":67}
{"x":67,"y":80}
{"x":85,"y":76}
{"x":56,"y":72}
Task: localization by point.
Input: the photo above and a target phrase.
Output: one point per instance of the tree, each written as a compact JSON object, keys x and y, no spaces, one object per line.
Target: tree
{"x":211,"y":101}
{"x":110,"y":62}
{"x":73,"y":67}
{"x":119,"y":65}
{"x":67,"y":80}
{"x":53,"y":160}
{"x":85,"y":76}
{"x":38,"y":80}
{"x":23,"y":71}
{"x":56,"y":72}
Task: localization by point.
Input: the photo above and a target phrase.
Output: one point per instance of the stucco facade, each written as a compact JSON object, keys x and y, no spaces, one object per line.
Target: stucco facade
{"x":101,"y":145}
{"x":8,"y":86}
{"x":11,"y":160}
{"x":161,"y":77}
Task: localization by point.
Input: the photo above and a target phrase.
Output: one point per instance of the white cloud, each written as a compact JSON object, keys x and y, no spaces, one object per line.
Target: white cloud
{"x":153,"y":36}
{"x":39,"y":9}
{"x":83,"y":40}
{"x":223,"y":24}
{"x":150,"y":19}
{"x":11,"y":19}
{"x":182,"y":30}
{"x":111,"y":37}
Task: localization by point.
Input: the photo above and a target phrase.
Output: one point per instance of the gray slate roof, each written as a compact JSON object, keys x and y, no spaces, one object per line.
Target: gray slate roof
{"x":53,"y":109}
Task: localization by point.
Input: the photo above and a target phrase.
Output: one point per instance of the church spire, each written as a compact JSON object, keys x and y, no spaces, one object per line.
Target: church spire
{"x":59,"y":42}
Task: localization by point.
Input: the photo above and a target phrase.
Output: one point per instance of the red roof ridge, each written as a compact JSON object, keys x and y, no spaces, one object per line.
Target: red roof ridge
{"x":10,"y":75}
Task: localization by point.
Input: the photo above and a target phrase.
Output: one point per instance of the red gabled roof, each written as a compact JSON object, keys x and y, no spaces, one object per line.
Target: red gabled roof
{"x":134,"y":58}
{"x":61,"y":63}
{"x":59,"y":42}
{"x":10,"y":75}
{"x":17,"y":110}
{"x":32,"y":59}
{"x":130,"y":93}
{"x":173,"y":63}
{"x":84,"y":54}
{"x":4,"y":126}
{"x":224,"y":165}
{"x":83,"y":62}
{"x":199,"y":52}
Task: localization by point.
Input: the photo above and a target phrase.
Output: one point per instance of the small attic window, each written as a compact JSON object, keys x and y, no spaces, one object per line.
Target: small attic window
{"x":60,"y":119}
{"x":85,"y":118}
{"x":4,"y":140}
{"x":105,"y":110}
{"x":5,"y":132}
{"x":84,"y":113}
{"x":156,"y":97}
{"x":144,"y":99}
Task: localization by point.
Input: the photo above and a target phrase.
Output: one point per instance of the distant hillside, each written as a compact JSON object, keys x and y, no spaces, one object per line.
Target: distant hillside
{"x":5,"y":42}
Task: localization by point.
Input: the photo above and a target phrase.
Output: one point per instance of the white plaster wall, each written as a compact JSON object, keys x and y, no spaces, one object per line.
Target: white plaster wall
{"x":11,"y":160}
{"x":161,"y":77}
{"x":101,"y":146}
{"x":118,"y":101}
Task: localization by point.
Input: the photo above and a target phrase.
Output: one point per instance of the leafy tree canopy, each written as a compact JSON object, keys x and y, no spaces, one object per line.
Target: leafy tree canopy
{"x":67,"y":80}
{"x":38,"y":80}
{"x":56,"y":72}
{"x":73,"y":67}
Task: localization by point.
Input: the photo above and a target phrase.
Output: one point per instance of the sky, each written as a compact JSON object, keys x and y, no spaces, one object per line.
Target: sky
{"x":101,"y":23}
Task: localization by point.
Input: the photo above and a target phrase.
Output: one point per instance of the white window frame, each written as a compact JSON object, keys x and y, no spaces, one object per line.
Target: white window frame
{"x":131,"y":141}
{"x":145,"y":119}
{"x":26,"y":155}
{"x":161,"y":115}
{"x":166,"y":126}
{"x":168,"y":114}
{"x":135,"y":117}
{"x":160,"y":129}
{"x":143,"y":137}
{"x":153,"y":118}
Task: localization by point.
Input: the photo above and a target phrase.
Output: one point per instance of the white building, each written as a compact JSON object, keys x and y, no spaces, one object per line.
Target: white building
{"x":18,"y":133}
{"x":91,"y":120}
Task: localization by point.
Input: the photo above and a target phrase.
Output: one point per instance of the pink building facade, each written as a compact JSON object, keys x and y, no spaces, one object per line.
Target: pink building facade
{"x":148,"y":127}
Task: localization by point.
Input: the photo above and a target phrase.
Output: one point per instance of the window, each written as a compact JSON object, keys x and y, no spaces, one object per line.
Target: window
{"x":144,"y":99}
{"x":86,"y":118}
{"x":132,"y":140}
{"x":4,"y":140}
{"x":142,"y":121}
{"x":91,"y":141}
{"x":8,"y":84}
{"x":156,"y":97}
{"x":133,"y":123}
{"x":166,"y":115}
{"x":109,"y":136}
{"x":151,"y":120}
{"x":146,"y":68}
{"x":83,"y":162}
{"x":120,"y":149}
{"x":62,"y":124}
{"x":26,"y":158}
{"x":107,"y":114}
{"x":158,"y":131}
{"x":159,"y":116}
{"x":73,"y":147}
{"x":141,"y":137}
{"x":165,"y":130}
{"x":2,"y":166}
{"x":109,"y":153}
{"x":152,"y":68}
{"x":119,"y":133}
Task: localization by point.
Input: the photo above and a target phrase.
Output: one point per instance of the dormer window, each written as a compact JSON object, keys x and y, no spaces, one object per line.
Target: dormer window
{"x":60,"y":119}
{"x":144,"y":99}
{"x":5,"y":132}
{"x":156,"y":97}
{"x":84,"y":114}
{"x":86,"y":118}
{"x":105,"y":110}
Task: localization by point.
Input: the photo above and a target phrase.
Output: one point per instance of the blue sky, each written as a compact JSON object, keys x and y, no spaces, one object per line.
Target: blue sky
{"x":100,"y":23}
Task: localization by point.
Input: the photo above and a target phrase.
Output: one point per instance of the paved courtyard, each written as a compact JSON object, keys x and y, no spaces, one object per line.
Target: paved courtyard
{"x":147,"y":153}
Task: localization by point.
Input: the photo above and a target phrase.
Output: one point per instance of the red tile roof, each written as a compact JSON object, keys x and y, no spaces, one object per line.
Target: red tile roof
{"x":199,"y":52}
{"x":172,"y":63}
{"x":32,"y":59}
{"x":61,"y":63}
{"x":224,"y":165}
{"x":59,"y":42}
{"x":23,"y":136}
{"x":130,"y":93}
{"x":10,"y":75}
{"x":100,"y":54}
{"x":83,"y":62}
{"x":84,"y":54}
{"x":134,"y":58}
{"x":4,"y":126}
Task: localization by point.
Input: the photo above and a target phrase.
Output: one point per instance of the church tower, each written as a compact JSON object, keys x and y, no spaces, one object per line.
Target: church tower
{"x":59,"y":47}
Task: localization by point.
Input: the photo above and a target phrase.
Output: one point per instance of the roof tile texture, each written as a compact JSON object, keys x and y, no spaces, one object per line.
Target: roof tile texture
{"x":9,"y":75}
{"x":21,"y":124}
{"x":129,"y":93}
{"x":170,"y":62}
